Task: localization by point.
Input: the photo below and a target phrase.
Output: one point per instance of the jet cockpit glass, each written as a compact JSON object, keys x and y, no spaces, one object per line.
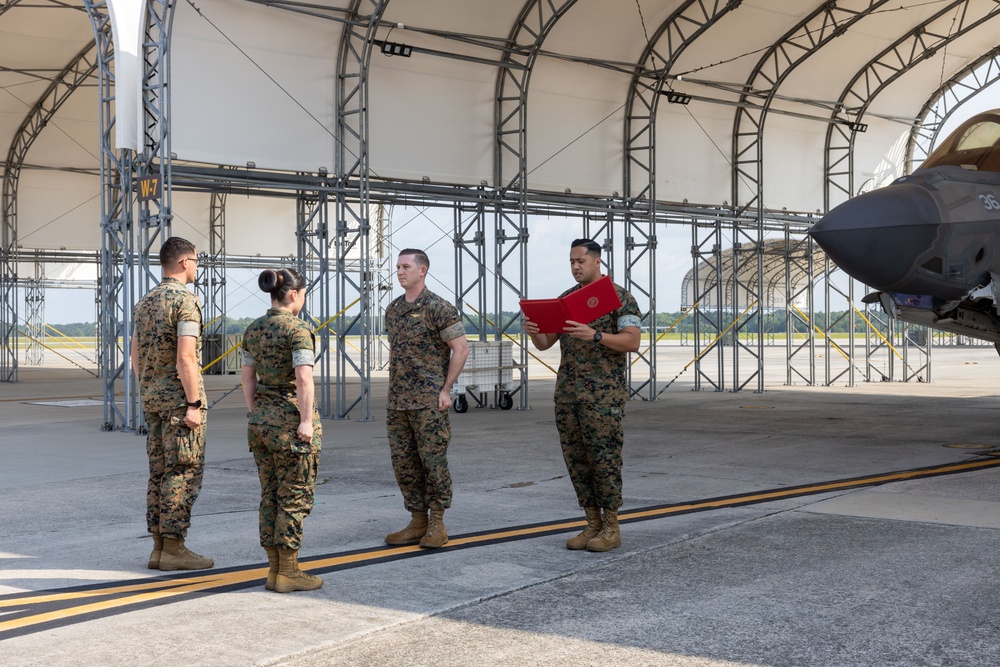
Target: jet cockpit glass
{"x":974,"y":145}
{"x":981,"y":135}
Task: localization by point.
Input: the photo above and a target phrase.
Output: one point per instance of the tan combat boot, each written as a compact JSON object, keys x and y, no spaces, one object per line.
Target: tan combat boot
{"x":290,"y":577}
{"x":272,"y":573}
{"x":594,"y":526}
{"x":176,"y":556}
{"x":416,"y":529}
{"x":610,"y":536}
{"x":154,"y":557}
{"x":436,"y":535}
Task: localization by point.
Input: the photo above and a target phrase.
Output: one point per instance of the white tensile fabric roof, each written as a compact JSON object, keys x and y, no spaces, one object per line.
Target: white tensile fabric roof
{"x":256,"y":83}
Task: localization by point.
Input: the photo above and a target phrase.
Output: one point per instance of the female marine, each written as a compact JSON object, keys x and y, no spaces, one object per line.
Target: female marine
{"x":284,"y":432}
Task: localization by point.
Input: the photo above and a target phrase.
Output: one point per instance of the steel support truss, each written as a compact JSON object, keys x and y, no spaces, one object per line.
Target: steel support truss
{"x":835,"y":294}
{"x":212,"y":286}
{"x":79,"y":71}
{"x":312,"y":234}
{"x":939,"y":107}
{"x":816,"y":30}
{"x":600,"y":226}
{"x":352,"y":232}
{"x":800,"y":343}
{"x":919,"y":44}
{"x":471,"y":284}
{"x":671,"y":38}
{"x":34,"y":322}
{"x":895,"y":350}
{"x":510,"y":163}
{"x":130,"y":230}
{"x":708,"y":305}
{"x":383,"y":263}
{"x":126,"y":269}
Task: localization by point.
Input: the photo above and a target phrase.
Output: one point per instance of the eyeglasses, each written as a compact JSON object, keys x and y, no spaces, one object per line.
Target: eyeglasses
{"x":190,"y":259}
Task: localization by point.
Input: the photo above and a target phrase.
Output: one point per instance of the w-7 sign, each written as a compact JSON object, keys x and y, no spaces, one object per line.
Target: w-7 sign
{"x":149,"y":188}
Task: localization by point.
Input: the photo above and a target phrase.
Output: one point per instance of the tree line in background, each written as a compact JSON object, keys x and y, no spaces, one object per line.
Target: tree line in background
{"x":773,"y":323}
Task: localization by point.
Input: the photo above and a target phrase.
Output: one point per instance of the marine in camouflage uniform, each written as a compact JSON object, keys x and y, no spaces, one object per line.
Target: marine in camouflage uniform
{"x":590,"y":398}
{"x":419,"y":431}
{"x":176,"y":452}
{"x":274,"y":345}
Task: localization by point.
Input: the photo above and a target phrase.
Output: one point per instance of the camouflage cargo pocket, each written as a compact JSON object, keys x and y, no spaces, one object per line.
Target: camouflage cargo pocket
{"x":290,"y":442}
{"x":186,"y":443}
{"x":187,"y":448}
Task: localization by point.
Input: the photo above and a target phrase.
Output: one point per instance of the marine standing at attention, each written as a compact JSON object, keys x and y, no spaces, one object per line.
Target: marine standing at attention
{"x":590,"y":396}
{"x":166,"y":359}
{"x":284,"y":431}
{"x":427,"y":351}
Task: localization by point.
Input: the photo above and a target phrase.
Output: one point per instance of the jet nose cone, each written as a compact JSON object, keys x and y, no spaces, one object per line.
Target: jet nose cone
{"x":877,"y":237}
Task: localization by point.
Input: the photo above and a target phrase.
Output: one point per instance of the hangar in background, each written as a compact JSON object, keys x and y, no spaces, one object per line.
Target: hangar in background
{"x":297,"y":127}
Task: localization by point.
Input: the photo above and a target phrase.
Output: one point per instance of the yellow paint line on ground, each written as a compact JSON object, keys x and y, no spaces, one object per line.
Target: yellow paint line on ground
{"x":152,"y":591}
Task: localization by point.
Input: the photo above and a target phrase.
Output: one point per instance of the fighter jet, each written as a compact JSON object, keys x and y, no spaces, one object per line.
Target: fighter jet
{"x":929,"y":243}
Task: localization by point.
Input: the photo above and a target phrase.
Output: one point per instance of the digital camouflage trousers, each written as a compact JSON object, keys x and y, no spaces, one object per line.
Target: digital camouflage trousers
{"x":591,"y":438}
{"x":418,"y":443}
{"x":288,"y":469}
{"x":176,"y":468}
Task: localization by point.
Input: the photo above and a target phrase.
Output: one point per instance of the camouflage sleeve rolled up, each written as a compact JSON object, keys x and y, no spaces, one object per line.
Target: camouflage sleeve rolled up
{"x":629,"y":314}
{"x":188,"y":315}
{"x":445,"y":319}
{"x":165,"y":313}
{"x":273,"y":344}
{"x":303,"y":343}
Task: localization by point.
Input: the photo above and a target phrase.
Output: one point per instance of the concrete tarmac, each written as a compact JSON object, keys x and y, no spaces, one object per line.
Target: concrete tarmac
{"x":776,"y":534}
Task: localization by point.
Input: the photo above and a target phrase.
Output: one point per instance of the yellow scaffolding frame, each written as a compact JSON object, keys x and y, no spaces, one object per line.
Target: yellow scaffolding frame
{"x":684,"y":313}
{"x":711,"y":345}
{"x":878,"y":333}
{"x":27,"y":335}
{"x":325,"y":324}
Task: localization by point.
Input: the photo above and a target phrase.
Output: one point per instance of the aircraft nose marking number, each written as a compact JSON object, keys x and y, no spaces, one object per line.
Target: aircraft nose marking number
{"x":990,"y":202}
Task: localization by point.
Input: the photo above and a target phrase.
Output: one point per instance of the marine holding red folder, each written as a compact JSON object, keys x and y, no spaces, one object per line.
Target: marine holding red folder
{"x":596,"y":324}
{"x":583,"y":305}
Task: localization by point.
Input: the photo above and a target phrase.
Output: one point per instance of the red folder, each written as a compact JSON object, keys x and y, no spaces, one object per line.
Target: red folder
{"x":584,"y":305}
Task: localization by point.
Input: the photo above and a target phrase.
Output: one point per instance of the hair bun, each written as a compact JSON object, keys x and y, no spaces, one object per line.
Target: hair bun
{"x":269,"y":280}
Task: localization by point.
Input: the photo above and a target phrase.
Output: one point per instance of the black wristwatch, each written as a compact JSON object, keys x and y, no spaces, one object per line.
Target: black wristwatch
{"x":598,"y":336}
{"x":195,"y":404}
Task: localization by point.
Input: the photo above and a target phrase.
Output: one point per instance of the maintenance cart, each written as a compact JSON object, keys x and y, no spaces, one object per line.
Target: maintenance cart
{"x":489,"y":368}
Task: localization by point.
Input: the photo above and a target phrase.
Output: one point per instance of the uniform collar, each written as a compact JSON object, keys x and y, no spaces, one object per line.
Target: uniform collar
{"x":409,"y":305}
{"x":417,"y":301}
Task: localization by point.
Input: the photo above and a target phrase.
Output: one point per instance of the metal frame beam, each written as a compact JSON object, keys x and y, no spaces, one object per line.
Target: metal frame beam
{"x":510,"y":170}
{"x":383,"y":263}
{"x":352,"y":232}
{"x":77,"y":72}
{"x":130,"y":229}
{"x":706,"y":252}
{"x":312,"y":234}
{"x":945,"y":101}
{"x":471,"y":285}
{"x":919,"y":44}
{"x":818,"y":28}
{"x":34,"y":321}
{"x":212,"y":284}
{"x":799,"y":261}
{"x":672,"y":37}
